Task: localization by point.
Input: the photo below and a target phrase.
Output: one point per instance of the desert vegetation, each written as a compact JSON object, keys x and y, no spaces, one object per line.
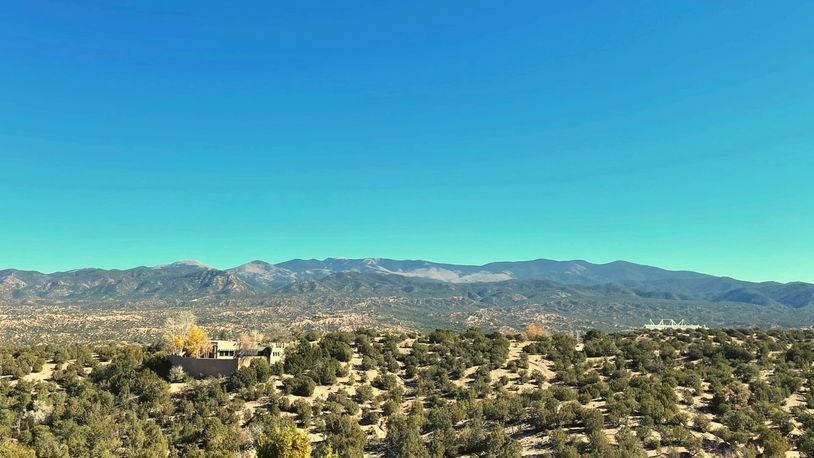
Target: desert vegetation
{"x":439,"y":394}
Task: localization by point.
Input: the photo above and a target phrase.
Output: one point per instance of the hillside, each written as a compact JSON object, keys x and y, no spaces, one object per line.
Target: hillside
{"x":370,"y":393}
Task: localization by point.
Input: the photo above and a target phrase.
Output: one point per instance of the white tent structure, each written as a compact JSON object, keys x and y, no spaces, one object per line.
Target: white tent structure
{"x":672,"y":324}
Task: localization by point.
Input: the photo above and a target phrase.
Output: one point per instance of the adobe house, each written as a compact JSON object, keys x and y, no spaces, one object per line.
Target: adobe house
{"x":225,"y":357}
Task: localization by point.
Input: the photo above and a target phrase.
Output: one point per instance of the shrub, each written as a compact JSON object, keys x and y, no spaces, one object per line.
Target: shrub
{"x":283,"y":442}
{"x":300,"y":385}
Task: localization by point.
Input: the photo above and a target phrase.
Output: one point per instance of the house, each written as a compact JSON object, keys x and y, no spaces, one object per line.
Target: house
{"x":224,"y":357}
{"x":228,"y":349}
{"x":276,"y":351}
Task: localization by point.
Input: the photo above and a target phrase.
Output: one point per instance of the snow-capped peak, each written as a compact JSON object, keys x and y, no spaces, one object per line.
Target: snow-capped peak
{"x":186,"y":263}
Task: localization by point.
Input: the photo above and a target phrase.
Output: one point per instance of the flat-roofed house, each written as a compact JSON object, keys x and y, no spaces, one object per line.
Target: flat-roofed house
{"x":224,"y":357}
{"x":222,"y":349}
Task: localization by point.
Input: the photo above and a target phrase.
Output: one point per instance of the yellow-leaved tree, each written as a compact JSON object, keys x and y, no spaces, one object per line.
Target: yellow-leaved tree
{"x":196,"y":343}
{"x":535,"y":331}
{"x":176,"y":328}
{"x":283,"y":442}
{"x":175,"y":343}
{"x":325,"y":451}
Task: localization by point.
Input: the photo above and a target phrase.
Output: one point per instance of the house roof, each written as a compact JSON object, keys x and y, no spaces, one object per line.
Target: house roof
{"x":225,"y":345}
{"x":231,"y":345}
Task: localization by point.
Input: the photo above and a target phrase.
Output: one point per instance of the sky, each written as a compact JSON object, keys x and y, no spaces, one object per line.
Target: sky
{"x":677,"y":134}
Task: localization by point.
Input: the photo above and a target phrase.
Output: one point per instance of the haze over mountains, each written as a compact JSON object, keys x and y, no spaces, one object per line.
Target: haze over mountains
{"x":493,"y":283}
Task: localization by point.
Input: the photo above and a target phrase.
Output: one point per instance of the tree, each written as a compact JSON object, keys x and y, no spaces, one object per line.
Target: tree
{"x":385,"y":382}
{"x":404,"y":439}
{"x":498,"y":444}
{"x":242,"y":378}
{"x":261,"y":368}
{"x":283,"y":442}
{"x":629,"y":445}
{"x":593,"y":420}
{"x":774,"y":444}
{"x":303,"y":411}
{"x":337,"y":347}
{"x":301,"y":385}
{"x":11,"y":449}
{"x":248,"y":340}
{"x":175,"y":343}
{"x":345,"y":436}
{"x":196,"y":343}
{"x":535,"y":332}
{"x":806,"y":444}
{"x":176,"y":329}
{"x":363,"y":394}
{"x":325,"y":451}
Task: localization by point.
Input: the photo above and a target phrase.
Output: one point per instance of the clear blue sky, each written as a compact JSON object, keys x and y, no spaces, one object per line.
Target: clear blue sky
{"x":678,"y":134}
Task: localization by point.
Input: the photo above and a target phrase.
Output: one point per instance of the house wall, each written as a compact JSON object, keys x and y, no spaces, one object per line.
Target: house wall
{"x":276,"y":348}
{"x":210,"y":367}
{"x":205,"y":367}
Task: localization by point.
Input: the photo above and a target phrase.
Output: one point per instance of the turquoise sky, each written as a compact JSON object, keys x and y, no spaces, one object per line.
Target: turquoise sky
{"x":677,"y":134}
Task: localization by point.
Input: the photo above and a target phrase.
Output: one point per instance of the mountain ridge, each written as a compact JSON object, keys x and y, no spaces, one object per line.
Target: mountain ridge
{"x":190,"y":279}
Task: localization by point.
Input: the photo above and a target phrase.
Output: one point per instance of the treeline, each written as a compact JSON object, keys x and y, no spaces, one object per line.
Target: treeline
{"x":441,"y":394}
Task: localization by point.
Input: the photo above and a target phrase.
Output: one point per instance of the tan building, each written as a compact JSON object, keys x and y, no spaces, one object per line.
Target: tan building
{"x":228,"y":349}
{"x":224,"y":357}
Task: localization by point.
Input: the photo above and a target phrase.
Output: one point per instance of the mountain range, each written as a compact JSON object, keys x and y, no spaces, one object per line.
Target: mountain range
{"x":497,"y":282}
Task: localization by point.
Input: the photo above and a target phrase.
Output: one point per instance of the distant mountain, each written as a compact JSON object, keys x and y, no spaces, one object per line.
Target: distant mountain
{"x":181,"y":279}
{"x":507,"y":292}
{"x":262,"y":275}
{"x":498,"y":282}
{"x":363,"y":284}
{"x":644,"y":281}
{"x":570,"y":272}
{"x":423,"y":269}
